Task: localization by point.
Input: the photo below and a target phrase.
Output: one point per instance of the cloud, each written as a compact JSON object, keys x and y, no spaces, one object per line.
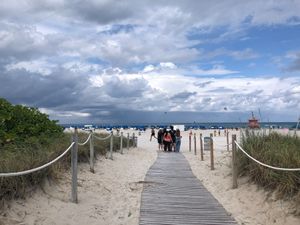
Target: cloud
{"x":295,"y":64}
{"x":23,"y":42}
{"x":238,"y":55}
{"x":86,"y":60}
{"x":72,"y":96}
{"x":216,"y":70}
{"x":181,"y":96}
{"x":37,"y":66}
{"x":161,"y":67}
{"x":117,"y":88}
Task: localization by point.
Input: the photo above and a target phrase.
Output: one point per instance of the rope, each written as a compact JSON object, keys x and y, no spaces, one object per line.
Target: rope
{"x":263,"y":164}
{"x":102,"y":139}
{"x":81,"y":144}
{"x":37,"y":168}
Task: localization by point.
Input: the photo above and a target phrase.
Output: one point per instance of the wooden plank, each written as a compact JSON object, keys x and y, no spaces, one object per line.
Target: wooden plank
{"x":172,"y":195}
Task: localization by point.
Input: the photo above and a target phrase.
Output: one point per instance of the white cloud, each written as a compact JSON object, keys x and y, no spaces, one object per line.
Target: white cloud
{"x":146,"y":55}
{"x":96,"y":81}
{"x":37,"y":66}
{"x":168,"y":65}
{"x":82,"y":67}
{"x":149,"y":68}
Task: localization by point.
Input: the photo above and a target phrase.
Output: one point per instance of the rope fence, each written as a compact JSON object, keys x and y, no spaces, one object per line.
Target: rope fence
{"x":74,"y":157}
{"x":263,"y":164}
{"x":102,"y":139}
{"x":84,"y":143}
{"x":13,"y":174}
{"x":208,"y":144}
{"x":235,"y":147}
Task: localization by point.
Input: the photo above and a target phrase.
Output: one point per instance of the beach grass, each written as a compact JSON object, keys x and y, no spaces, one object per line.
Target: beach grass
{"x":35,"y":152}
{"x":276,"y":150}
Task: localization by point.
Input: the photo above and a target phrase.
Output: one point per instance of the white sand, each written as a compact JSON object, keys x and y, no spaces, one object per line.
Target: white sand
{"x":112,"y":195}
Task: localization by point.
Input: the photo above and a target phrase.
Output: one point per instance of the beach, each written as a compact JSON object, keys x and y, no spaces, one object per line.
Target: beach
{"x":112,"y":195}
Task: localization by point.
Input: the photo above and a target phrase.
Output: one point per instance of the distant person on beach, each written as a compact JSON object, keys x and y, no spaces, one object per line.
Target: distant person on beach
{"x":152,"y":134}
{"x":160,"y":139}
{"x":178,"y":140}
{"x":167,"y":141}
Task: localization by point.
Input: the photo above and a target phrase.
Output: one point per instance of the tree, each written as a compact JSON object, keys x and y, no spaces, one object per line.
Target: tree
{"x":20,"y":122}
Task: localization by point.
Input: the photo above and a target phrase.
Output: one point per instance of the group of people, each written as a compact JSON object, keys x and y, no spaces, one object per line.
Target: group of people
{"x":168,"y":139}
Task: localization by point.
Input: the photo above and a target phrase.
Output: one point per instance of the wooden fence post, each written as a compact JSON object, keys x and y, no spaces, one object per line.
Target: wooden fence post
{"x":121,"y":143}
{"x":136,"y":141}
{"x":133,"y":140}
{"x":201,"y":148}
{"x":111,"y":145}
{"x":127,"y":141}
{"x":234,"y":163}
{"x":227,"y":139}
{"x":74,"y":159}
{"x":212,"y":164}
{"x":190,"y":142}
{"x":195,"y":144}
{"x":92,"y":153}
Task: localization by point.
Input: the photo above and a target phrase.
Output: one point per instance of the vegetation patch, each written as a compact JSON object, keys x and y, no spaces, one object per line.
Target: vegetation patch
{"x":29,"y":139}
{"x":274,"y":150}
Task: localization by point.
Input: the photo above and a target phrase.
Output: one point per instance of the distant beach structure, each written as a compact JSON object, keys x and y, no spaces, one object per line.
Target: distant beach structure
{"x":253,"y":122}
{"x":180,"y":127}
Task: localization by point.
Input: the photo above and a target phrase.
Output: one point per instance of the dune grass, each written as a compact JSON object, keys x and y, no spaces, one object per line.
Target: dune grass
{"x":35,"y":152}
{"x":275,"y":150}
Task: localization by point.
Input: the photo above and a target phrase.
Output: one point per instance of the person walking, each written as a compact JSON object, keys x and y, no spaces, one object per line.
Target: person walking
{"x":152,"y":134}
{"x":178,"y":140}
{"x":160,"y":139}
{"x":173,"y":135}
{"x":167,"y":141}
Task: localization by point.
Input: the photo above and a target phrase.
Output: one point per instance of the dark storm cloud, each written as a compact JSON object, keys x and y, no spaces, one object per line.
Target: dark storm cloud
{"x":23,"y":87}
{"x":183,"y":95}
{"x":118,"y":88}
{"x":102,"y":12}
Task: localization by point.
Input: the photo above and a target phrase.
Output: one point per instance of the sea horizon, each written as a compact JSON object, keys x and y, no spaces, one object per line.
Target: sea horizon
{"x":199,"y":125}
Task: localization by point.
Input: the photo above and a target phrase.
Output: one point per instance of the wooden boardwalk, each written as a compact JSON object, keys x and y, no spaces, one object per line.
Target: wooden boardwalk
{"x":172,"y":195}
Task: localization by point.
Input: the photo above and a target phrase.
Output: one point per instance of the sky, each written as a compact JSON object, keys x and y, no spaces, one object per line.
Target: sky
{"x":114,"y":61}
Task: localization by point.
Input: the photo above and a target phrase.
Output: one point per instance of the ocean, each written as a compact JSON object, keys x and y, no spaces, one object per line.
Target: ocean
{"x":193,"y":125}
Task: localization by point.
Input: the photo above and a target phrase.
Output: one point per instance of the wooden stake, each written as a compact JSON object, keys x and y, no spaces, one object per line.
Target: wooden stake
{"x":92,"y":154}
{"x":212,"y":163}
{"x":234,"y":163}
{"x":201,"y":148}
{"x":195,"y":144}
{"x":74,"y":160}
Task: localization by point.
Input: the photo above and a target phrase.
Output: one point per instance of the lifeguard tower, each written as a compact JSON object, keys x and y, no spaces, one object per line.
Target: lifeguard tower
{"x":253,"y":122}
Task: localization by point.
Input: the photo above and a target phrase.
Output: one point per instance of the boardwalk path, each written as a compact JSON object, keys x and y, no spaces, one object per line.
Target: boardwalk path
{"x":172,"y":195}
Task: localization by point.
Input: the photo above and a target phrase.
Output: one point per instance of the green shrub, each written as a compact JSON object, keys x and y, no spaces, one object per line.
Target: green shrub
{"x":28,"y":139}
{"x":275,"y":150}
{"x":32,"y":153}
{"x":17,"y":123}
